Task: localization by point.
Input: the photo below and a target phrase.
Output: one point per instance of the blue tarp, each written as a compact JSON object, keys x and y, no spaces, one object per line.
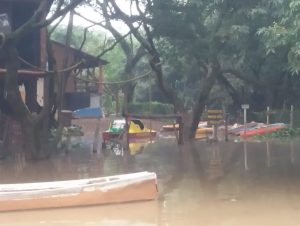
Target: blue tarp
{"x":95,"y":112}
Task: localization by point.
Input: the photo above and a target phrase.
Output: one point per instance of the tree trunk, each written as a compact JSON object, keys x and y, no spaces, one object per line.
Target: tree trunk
{"x":30,"y":122}
{"x":212,"y":72}
{"x":63,"y":76}
{"x":33,"y":148}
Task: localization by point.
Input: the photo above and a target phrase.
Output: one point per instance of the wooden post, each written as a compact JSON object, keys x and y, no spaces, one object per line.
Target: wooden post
{"x":126,"y":118}
{"x":180,"y":131}
{"x":215,"y":132}
{"x":127,"y":133}
{"x":225,"y":118}
{"x":100,"y":91}
{"x":246,"y":156}
{"x":176,"y":131}
{"x":150,"y":109}
{"x":226,"y":127}
{"x":117,"y":102}
{"x":150,"y":134}
{"x":46,"y":103}
{"x":268,"y":155}
{"x":292,"y":152}
{"x":292,"y":116}
{"x":100,"y":87}
{"x":96,"y":136}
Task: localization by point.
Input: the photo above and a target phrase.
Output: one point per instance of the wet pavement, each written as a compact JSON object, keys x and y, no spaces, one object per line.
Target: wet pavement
{"x":200,"y":183}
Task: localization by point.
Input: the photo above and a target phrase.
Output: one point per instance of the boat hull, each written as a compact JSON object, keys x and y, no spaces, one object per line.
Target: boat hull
{"x":168,"y":128}
{"x":203,"y":131}
{"x":141,"y":188}
{"x":262,"y":130}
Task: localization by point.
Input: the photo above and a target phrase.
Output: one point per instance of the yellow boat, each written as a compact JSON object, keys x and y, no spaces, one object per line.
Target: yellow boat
{"x":204,"y":130}
{"x":170,"y":127}
{"x":137,"y":130}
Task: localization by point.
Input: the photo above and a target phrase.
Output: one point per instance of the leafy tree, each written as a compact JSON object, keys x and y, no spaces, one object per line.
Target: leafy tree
{"x":32,"y":122}
{"x":192,"y":44}
{"x":284,"y":32}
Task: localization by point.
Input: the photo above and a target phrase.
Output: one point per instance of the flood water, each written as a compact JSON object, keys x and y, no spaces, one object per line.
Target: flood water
{"x":211,"y":184}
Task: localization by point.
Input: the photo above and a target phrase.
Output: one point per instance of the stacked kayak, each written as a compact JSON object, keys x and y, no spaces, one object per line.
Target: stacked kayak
{"x":262,"y":129}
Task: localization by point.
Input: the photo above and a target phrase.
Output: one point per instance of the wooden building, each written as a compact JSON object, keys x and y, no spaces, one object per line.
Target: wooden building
{"x":33,"y":62}
{"x":32,"y":51}
{"x":82,"y":85}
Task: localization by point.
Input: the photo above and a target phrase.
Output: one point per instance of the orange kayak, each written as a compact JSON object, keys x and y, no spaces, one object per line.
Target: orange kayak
{"x":84,"y":192}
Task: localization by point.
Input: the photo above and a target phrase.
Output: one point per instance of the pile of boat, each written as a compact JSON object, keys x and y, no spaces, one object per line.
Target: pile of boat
{"x":202,"y":129}
{"x":254,"y":128}
{"x":244,"y":131}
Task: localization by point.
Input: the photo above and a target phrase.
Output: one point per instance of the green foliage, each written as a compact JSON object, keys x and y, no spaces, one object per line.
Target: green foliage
{"x":278,"y":116}
{"x":285,"y":32}
{"x":150,"y":108}
{"x":96,"y":41}
{"x":280,"y":134}
{"x":109,"y":104}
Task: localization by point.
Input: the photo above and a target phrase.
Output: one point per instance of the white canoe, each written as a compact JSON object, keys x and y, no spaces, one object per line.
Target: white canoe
{"x":95,"y":191}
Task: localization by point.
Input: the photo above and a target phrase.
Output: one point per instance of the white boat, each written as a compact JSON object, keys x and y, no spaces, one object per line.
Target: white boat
{"x":83,"y":192}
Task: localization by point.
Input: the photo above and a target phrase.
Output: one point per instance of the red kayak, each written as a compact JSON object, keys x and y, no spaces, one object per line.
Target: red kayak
{"x":263,"y":130}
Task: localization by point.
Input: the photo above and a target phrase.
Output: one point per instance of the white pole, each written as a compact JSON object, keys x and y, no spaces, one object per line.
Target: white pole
{"x":245,"y":119}
{"x":292,"y":116}
{"x":245,"y":107}
{"x":268,"y":115}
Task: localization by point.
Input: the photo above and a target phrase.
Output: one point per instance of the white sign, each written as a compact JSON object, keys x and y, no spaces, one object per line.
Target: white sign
{"x":245,"y":106}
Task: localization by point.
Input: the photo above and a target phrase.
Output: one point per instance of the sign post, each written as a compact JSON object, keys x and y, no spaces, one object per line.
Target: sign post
{"x":292,"y":116}
{"x":214,"y":118}
{"x":245,"y":107}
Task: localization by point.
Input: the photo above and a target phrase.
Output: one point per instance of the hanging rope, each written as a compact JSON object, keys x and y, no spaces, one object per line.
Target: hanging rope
{"x":81,"y":62}
{"x":116,"y":83}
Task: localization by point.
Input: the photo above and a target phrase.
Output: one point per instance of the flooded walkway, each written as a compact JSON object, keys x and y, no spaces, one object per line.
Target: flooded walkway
{"x":223,"y":184}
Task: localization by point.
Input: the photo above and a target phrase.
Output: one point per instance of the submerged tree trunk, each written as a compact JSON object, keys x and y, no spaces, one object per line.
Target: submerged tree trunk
{"x":22,"y":114}
{"x":34,"y":148}
{"x":212,"y":72}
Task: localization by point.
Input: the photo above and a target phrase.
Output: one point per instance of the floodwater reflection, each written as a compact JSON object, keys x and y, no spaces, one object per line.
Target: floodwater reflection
{"x":118,"y":148}
{"x":140,"y":214}
{"x":200,"y":183}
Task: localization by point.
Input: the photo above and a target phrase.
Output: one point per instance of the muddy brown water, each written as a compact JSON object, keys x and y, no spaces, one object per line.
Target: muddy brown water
{"x":200,"y":183}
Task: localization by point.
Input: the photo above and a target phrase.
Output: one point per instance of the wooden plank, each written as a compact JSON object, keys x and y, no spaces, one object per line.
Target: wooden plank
{"x":214,"y":117}
{"x":24,"y":72}
{"x":214,"y":111}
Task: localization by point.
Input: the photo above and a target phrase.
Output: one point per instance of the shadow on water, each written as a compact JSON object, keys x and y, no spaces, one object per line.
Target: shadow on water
{"x":231,"y":183}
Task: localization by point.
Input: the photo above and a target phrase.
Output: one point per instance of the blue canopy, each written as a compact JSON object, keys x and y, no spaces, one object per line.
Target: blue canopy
{"x":91,"y":112}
